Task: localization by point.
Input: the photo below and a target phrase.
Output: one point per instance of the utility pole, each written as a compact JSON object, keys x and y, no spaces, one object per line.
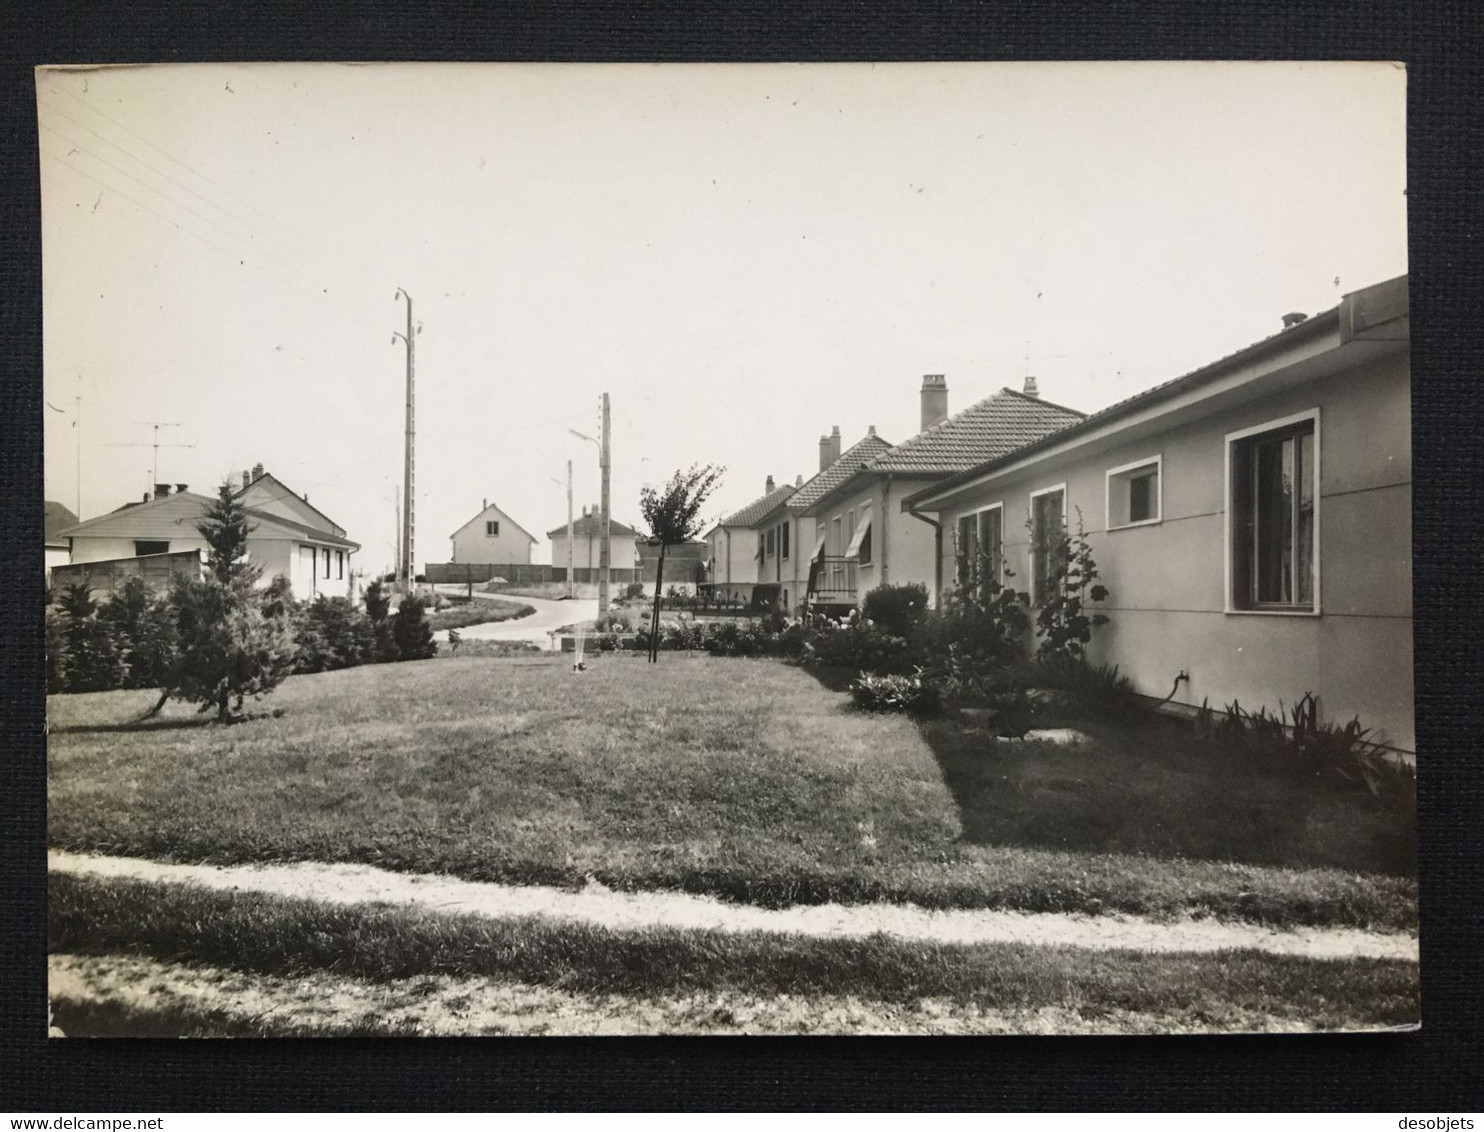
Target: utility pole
{"x":571,"y":588}
{"x":407,"y":558}
{"x":398,"y":512}
{"x":603,"y":550}
{"x":77,"y":423}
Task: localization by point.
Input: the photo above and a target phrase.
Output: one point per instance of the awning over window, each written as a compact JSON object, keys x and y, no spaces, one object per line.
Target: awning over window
{"x":860,"y":536}
{"x":818,"y":547}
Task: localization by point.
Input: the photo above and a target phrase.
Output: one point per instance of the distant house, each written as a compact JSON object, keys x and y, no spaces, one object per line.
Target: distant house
{"x":56,"y":517}
{"x":587,"y":547}
{"x":1251,"y":520}
{"x":492,"y":536}
{"x":685,"y":564}
{"x":737,"y":544}
{"x":288,"y":537}
{"x":861,"y":538}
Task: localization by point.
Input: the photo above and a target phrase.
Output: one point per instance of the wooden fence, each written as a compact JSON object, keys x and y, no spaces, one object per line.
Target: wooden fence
{"x":104,"y":576}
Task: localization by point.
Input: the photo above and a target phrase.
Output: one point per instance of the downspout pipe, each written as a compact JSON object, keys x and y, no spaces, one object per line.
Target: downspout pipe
{"x":937,"y":526}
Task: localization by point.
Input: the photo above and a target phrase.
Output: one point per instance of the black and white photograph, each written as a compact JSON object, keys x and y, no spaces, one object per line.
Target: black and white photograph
{"x":699,"y":549}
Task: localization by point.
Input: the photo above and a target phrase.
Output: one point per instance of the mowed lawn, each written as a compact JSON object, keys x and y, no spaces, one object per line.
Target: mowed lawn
{"x":746,"y":779}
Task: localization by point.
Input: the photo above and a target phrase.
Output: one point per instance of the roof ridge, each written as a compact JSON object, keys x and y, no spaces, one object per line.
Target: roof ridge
{"x":1039,"y":400}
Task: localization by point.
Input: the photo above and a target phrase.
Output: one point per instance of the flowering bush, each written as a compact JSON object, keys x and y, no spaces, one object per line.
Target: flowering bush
{"x":859,"y":644}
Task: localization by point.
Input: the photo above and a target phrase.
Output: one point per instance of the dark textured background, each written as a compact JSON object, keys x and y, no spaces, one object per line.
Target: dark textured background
{"x":1437,"y":1069}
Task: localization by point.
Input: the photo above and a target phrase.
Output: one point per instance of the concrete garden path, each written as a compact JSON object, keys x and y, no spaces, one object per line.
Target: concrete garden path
{"x":597,"y":905}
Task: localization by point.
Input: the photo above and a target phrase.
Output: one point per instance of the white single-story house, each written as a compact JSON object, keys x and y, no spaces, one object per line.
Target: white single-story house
{"x":288,"y":536}
{"x":492,"y":536}
{"x":1251,"y":520}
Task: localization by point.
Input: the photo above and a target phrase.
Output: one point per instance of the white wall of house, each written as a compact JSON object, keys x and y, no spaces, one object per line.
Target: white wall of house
{"x":92,"y":548}
{"x":1169,"y":579}
{"x":902,"y":547}
{"x":492,"y":537}
{"x":734,"y":560}
{"x":587,"y":551}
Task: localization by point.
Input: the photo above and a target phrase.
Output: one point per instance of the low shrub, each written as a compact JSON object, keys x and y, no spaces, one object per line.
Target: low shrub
{"x":410,"y":630}
{"x":633,"y":591}
{"x":333,"y":634}
{"x":1085,"y":688}
{"x":908,"y":693}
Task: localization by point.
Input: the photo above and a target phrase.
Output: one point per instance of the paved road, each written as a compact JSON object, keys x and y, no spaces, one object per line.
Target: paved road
{"x":549,"y":615}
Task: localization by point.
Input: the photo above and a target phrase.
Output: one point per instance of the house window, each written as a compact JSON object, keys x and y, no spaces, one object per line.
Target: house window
{"x":1133,"y":496}
{"x":770,"y":537}
{"x":783,"y":540}
{"x":979,"y":547}
{"x":1273,"y":481}
{"x":340,"y":564}
{"x":860,"y":541}
{"x":835,"y":543}
{"x":143,"y":546}
{"x":492,"y":528}
{"x":1048,"y":539}
{"x":327,"y":561}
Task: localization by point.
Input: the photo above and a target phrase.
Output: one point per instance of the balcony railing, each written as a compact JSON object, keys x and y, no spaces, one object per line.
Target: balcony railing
{"x":832,"y":580}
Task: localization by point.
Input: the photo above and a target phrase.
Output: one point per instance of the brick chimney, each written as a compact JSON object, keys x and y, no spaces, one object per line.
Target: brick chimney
{"x":257,"y":472}
{"x":934,"y":399}
{"x":246,"y":479}
{"x":1031,"y":389}
{"x":798,"y":481}
{"x":768,"y":486}
{"x":162,"y":490}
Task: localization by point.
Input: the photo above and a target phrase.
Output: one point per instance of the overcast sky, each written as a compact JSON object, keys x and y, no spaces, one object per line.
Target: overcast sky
{"x":742,"y":256}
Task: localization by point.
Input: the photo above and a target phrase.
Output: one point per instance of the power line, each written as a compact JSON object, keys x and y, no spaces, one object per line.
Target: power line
{"x":137,"y":204}
{"x":300,"y":236}
{"x":253,"y":232}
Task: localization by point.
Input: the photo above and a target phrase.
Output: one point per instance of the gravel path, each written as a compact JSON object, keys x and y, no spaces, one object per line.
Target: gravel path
{"x":594,"y":904}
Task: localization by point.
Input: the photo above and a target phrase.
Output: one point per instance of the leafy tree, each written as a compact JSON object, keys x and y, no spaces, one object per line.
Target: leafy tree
{"x":93,"y":663}
{"x":378,"y":610}
{"x":672,"y":513}
{"x":411,"y":631}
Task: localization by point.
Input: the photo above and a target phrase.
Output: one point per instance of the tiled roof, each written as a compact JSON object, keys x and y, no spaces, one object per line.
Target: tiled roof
{"x":850,"y":462}
{"x":997,"y":425}
{"x":176,"y":516}
{"x":759,"y":507}
{"x":591,"y":524}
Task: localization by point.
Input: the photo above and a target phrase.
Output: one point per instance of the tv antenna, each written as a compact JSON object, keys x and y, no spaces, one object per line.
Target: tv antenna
{"x":156,"y":444}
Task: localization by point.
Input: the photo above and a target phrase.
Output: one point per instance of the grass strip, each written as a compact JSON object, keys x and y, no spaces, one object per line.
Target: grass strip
{"x":480,"y":612}
{"x":284,"y":936}
{"x":745,"y":780}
